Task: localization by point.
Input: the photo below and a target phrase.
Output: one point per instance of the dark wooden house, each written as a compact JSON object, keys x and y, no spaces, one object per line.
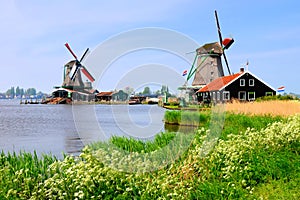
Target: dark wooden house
{"x":243,"y":86}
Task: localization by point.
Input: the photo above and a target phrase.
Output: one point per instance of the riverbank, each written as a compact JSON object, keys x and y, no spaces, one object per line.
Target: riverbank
{"x":255,"y":157}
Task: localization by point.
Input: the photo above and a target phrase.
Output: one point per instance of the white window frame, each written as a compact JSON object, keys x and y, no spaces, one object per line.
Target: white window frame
{"x":224,"y":95}
{"x":242,"y":82}
{"x":251,"y":82}
{"x":245,"y":95}
{"x":251,"y":93}
{"x":218,"y":96}
{"x":214,"y":96}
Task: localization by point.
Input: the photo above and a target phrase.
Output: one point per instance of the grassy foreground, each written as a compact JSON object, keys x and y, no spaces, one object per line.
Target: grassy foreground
{"x":256,"y":157}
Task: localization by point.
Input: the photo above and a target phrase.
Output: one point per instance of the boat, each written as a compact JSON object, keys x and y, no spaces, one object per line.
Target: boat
{"x":134,"y":101}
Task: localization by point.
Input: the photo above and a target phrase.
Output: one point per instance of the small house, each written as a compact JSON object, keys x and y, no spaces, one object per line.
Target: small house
{"x":104,"y":96}
{"x":243,"y":86}
{"x":120,"y":96}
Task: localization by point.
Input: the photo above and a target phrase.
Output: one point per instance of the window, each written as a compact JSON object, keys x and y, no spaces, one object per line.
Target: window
{"x":242,"y":82}
{"x":214,"y":96}
{"x":269,"y":93}
{"x":226,"y":95}
{"x":242,"y":95}
{"x":218,"y":96}
{"x":251,"y":96}
{"x":251,"y":82}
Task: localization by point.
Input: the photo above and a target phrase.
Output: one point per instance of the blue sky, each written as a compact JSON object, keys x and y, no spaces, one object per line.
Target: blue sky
{"x":33,"y":33}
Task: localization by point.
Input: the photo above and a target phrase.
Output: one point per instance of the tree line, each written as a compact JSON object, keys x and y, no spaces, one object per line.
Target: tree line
{"x":21,"y":92}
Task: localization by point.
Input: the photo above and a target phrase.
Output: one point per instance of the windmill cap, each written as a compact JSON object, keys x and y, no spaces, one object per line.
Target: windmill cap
{"x":214,"y":47}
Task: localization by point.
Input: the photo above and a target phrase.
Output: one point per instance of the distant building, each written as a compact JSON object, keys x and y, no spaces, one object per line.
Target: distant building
{"x":83,"y":95}
{"x":243,"y":86}
{"x":120,"y":96}
{"x":104,"y":96}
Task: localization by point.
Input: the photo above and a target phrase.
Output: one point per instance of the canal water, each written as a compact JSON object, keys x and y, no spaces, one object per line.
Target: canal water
{"x":57,"y":129}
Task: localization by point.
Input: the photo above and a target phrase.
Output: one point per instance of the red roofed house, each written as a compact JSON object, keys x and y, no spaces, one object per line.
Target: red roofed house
{"x":104,"y":96}
{"x":243,"y":86}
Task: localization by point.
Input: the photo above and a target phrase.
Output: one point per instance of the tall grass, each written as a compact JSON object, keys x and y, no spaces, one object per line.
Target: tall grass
{"x":134,"y":145}
{"x":272,"y":107}
{"x":186,"y":118}
{"x":239,"y":123}
{"x":21,"y":174}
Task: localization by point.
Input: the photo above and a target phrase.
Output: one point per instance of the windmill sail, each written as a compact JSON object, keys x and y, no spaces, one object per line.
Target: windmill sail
{"x":87,"y":74}
{"x":73,"y":69}
{"x":73,"y":72}
{"x":227,"y":41}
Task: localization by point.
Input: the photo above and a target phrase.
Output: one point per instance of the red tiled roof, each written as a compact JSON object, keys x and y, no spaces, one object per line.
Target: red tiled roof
{"x":104,"y":94}
{"x":218,"y":83}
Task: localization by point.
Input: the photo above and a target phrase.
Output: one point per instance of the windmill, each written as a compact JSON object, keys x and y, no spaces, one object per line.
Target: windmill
{"x":72,"y":73}
{"x":209,"y":64}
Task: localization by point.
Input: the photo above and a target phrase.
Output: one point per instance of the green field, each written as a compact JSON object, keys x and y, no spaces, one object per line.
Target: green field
{"x":256,"y":157}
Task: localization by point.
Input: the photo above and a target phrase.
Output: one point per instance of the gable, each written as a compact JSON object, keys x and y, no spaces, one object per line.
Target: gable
{"x":246,"y":76}
{"x":225,"y":81}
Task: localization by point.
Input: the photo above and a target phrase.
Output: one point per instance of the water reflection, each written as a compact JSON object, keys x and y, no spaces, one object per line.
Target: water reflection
{"x":177,"y":128}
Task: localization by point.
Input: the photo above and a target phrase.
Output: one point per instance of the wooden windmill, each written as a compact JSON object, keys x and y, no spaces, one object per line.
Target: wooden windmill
{"x":209,"y":64}
{"x":72,"y":73}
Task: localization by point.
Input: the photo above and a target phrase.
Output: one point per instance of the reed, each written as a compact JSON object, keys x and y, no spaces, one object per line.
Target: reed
{"x":187,"y":118}
{"x":134,"y":145}
{"x":273,"y":107}
{"x":21,"y":173}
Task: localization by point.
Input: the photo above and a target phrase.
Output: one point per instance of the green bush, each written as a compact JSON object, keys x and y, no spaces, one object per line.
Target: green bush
{"x":276,"y":97}
{"x":186,"y":118}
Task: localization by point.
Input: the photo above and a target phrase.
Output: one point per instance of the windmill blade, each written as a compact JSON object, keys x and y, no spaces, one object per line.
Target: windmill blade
{"x":219,"y":29}
{"x":227,"y":65}
{"x":69,"y":48}
{"x":84,"y":55}
{"x":87,"y":73}
{"x":73,"y":71}
{"x":228,"y":43}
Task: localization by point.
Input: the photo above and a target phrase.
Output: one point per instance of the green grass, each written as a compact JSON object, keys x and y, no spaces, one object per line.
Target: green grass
{"x":257,"y":157}
{"x":133,"y":145}
{"x":187,"y":118}
{"x":20,"y":173}
{"x":237,"y":123}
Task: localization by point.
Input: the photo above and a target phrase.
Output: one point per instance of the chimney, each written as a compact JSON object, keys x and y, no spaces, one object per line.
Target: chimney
{"x":242,"y":69}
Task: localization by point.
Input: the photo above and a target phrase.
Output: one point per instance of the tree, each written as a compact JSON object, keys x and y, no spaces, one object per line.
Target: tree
{"x":11,"y":92}
{"x":165,"y":90}
{"x":22,"y":92}
{"x":128,"y":90}
{"x":146,"y":90}
{"x":31,"y":91}
{"x":8,"y":93}
{"x":18,"y":91}
{"x":158,"y":92}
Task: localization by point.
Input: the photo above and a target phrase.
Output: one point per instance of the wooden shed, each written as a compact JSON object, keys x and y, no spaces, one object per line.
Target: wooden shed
{"x":104,"y":96}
